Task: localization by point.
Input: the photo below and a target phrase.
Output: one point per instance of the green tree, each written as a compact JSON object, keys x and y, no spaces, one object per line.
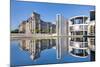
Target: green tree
{"x":15,"y":31}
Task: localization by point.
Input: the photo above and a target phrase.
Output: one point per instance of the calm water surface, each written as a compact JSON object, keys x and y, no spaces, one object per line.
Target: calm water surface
{"x":34,"y":52}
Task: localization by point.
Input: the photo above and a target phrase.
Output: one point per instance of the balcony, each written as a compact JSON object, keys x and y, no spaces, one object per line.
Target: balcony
{"x":79,"y":53}
{"x":79,"y":27}
{"x":78,"y":45}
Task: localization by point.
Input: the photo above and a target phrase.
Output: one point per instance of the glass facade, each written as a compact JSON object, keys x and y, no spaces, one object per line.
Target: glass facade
{"x":78,"y":20}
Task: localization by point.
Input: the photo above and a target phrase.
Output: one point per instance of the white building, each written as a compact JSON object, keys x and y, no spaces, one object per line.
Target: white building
{"x":78,"y":46}
{"x":62,"y":39}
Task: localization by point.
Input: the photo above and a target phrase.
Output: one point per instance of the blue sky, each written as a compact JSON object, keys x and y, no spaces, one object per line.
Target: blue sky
{"x":22,"y":10}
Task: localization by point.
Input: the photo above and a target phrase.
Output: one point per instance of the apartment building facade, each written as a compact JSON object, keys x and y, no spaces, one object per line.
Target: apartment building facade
{"x":22,"y":27}
{"x":78,"y":46}
{"x":34,"y":25}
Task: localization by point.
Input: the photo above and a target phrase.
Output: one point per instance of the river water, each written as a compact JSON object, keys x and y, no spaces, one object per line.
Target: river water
{"x":39,"y":51}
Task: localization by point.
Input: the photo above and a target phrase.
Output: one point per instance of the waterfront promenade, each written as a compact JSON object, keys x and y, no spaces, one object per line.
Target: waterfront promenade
{"x":41,"y":36}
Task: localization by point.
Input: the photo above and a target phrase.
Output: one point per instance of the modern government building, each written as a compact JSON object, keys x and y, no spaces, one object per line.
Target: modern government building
{"x":78,"y":45}
{"x":83,"y":26}
{"x":34,"y":25}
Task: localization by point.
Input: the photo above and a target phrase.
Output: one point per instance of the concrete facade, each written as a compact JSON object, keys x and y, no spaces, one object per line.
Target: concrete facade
{"x":78,"y":46}
{"x":61,"y":30}
{"x":35,"y":25}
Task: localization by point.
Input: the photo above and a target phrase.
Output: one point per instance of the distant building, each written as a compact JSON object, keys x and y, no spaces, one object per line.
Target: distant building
{"x":59,"y":22}
{"x":34,"y":25}
{"x":22,"y":27}
{"x":62,"y":32}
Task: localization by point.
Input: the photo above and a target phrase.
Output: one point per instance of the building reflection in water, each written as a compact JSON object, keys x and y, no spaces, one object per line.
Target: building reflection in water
{"x":34,"y":47}
{"x":76,"y":46}
{"x":79,"y":45}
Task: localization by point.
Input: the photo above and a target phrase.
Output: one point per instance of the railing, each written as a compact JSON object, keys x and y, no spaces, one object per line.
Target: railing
{"x":80,"y":27}
{"x":78,"y":45}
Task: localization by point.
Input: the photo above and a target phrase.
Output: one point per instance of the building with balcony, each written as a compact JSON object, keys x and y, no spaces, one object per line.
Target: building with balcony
{"x":78,"y":46}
